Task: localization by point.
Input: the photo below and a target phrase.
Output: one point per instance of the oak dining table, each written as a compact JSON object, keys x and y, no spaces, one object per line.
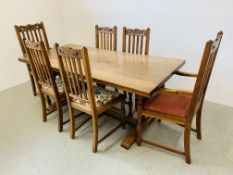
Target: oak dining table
{"x":138,"y":74}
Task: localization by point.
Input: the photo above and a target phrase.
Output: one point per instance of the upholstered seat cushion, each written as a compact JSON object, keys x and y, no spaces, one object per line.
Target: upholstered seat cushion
{"x":59,"y":83}
{"x":170,"y":104}
{"x":102,"y":97}
{"x":60,"y":86}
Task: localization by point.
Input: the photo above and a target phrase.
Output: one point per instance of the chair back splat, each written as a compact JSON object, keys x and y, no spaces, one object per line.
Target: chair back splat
{"x":45,"y":80}
{"x":40,"y":64}
{"x":204,"y":73}
{"x":76,"y":72}
{"x":136,"y":40}
{"x":106,"y":38}
{"x":32,"y":32}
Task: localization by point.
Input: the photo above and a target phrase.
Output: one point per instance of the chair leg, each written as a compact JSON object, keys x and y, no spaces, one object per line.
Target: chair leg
{"x":48,"y":100}
{"x":60,"y":115}
{"x":32,"y":81}
{"x":187,"y":144}
{"x":116,"y":90}
{"x":43,"y":104}
{"x":198,"y":122}
{"x":95,"y":132}
{"x":33,"y":85}
{"x":123,"y":114}
{"x":72,"y":123}
{"x":139,"y":125}
{"x":130,"y":105}
{"x":136,"y":102}
{"x":139,"y":130}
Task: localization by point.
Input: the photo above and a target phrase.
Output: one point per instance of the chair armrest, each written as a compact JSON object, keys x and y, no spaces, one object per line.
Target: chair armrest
{"x":187,"y":74}
{"x":23,"y":60}
{"x":174,"y":91}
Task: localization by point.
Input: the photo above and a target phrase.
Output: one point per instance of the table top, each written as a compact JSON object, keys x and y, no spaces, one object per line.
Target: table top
{"x":134,"y":73}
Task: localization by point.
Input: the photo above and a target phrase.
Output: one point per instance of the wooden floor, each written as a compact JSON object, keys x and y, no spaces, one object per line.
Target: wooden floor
{"x":30,"y":147}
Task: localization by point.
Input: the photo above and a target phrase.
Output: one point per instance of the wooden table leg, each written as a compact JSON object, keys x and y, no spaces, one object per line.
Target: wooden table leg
{"x":131,"y":137}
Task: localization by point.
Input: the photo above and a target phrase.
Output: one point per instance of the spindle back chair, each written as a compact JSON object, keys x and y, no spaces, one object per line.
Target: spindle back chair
{"x":81,"y":94}
{"x":179,"y":106}
{"x":32,"y":32}
{"x":45,"y":80}
{"x":135,"y":41}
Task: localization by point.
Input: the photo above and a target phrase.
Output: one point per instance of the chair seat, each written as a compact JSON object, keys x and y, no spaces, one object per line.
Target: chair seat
{"x":169,"y":104}
{"x":60,"y":86}
{"x":102,"y":97}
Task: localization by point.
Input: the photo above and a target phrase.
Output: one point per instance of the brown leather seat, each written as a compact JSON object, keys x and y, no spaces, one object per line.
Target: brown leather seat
{"x":170,"y":104}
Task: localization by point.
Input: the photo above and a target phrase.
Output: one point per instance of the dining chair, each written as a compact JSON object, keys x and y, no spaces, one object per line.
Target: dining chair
{"x":31,"y":32}
{"x":81,"y":94}
{"x":106,"y":38}
{"x":180,"y":106}
{"x":135,"y":41}
{"x":47,"y":84}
